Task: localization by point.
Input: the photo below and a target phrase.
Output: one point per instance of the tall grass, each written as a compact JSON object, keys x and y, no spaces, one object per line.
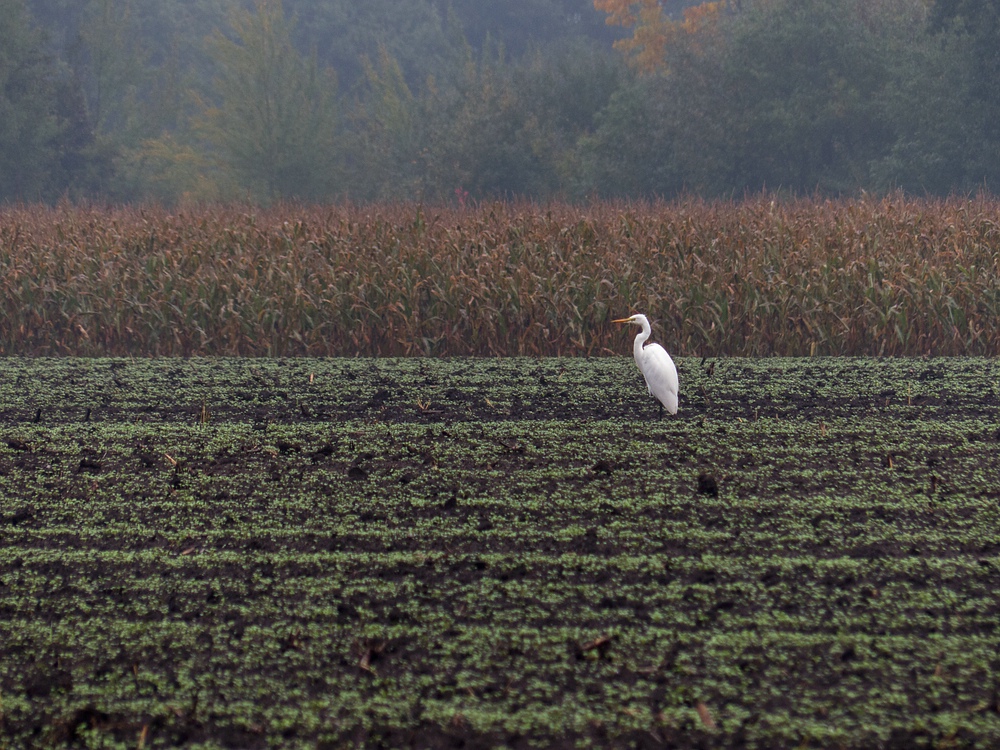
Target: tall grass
{"x":885,"y":276}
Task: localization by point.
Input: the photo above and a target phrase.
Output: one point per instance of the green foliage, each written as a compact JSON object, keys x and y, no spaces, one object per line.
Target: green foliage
{"x":475,"y":100}
{"x":520,"y":24}
{"x":785,"y":96}
{"x":168,"y":170}
{"x":29,"y":125}
{"x":485,"y":141}
{"x":345,"y":33}
{"x":631,"y":150}
{"x":275,"y":124}
{"x":490,"y":128}
{"x":805,"y":82}
{"x":109,"y":35}
{"x":564,"y":88}
{"x":927,"y":103}
{"x":971,"y":28}
{"x":389,"y":134}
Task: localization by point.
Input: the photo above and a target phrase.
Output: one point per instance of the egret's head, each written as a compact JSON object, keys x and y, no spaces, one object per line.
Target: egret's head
{"x":637,"y":319}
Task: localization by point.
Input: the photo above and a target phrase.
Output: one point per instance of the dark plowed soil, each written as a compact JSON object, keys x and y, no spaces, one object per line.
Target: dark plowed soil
{"x":477,"y":553}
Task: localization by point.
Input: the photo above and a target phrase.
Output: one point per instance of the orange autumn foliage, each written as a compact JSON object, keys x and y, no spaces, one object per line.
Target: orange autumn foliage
{"x":653,"y":31}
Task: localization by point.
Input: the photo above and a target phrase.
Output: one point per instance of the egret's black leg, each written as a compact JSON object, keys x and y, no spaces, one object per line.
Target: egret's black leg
{"x":661,"y":411}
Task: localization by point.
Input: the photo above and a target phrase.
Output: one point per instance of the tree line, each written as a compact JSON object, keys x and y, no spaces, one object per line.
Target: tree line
{"x":135,"y":100}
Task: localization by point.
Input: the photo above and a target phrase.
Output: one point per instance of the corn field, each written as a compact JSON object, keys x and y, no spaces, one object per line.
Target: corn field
{"x":867,"y":276}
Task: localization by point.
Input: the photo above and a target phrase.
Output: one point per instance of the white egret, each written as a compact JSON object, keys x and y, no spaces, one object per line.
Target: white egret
{"x":655,"y":365}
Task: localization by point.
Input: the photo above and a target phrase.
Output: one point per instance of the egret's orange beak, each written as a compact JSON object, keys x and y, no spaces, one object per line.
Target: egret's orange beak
{"x":622,"y":320}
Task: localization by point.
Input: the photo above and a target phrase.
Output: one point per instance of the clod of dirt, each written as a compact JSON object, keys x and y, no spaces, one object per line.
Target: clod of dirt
{"x":603,"y":467}
{"x":17,"y":518}
{"x":378,"y":399}
{"x":87,"y":718}
{"x":356,"y":472}
{"x":41,"y":686}
{"x":18,"y":445}
{"x":89,"y":465}
{"x":148,"y":459}
{"x":707,"y":485}
{"x":320,"y":453}
{"x":284,"y":447}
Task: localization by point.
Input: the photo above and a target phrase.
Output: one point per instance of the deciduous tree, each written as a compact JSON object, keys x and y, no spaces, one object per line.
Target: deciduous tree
{"x":46,"y":145}
{"x":653,"y":31}
{"x":388,"y":138}
{"x":275,"y":121}
{"x":975,"y":24}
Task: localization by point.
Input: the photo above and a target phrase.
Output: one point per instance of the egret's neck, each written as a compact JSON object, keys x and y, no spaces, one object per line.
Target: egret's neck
{"x":640,"y":339}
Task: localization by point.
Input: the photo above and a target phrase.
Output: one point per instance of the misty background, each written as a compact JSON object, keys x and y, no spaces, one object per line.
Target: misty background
{"x":460,"y":100}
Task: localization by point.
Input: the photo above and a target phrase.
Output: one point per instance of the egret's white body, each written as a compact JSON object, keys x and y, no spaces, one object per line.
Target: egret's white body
{"x":655,"y":365}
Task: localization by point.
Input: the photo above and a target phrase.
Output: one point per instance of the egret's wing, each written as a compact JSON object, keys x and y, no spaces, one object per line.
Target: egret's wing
{"x":661,"y":375}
